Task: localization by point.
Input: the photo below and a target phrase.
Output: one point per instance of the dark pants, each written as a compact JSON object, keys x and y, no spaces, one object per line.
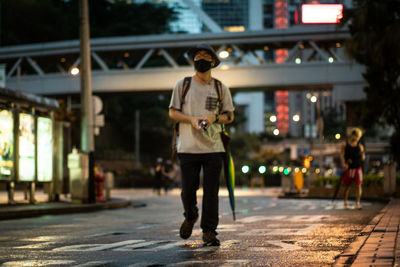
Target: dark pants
{"x":190,"y":167}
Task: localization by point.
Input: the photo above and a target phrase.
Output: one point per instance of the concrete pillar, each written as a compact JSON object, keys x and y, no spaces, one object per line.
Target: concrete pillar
{"x":256,"y":15}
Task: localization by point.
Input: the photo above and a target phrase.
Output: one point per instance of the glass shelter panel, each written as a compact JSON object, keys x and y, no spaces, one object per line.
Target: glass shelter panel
{"x":26,"y":148}
{"x":6,"y":144}
{"x":45,"y":148}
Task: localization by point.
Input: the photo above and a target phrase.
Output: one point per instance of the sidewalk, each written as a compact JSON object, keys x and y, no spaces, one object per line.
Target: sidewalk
{"x":22,"y":208}
{"x":378,"y":243}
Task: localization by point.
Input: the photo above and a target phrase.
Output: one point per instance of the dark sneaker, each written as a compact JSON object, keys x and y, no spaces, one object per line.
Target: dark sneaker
{"x":210,"y":239}
{"x":186,"y":228}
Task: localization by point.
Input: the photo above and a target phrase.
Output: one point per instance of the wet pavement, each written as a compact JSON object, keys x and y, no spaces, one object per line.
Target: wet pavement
{"x":268,"y":232}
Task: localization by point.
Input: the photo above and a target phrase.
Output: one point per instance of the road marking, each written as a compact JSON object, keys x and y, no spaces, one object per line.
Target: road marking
{"x":229,"y":227}
{"x":258,"y":218}
{"x":280,"y":245}
{"x":170,"y":245}
{"x":314,"y":218}
{"x":44,"y":238}
{"x":93,"y":264}
{"x":302,"y":218}
{"x":37,"y":263}
{"x":225,"y":263}
{"x":145,"y":246}
{"x":138,"y":245}
{"x":282,"y":231}
{"x":97,"y":247}
{"x":36,"y":245}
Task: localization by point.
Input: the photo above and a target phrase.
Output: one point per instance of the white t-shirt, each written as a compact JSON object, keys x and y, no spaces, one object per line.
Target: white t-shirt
{"x":200,"y":100}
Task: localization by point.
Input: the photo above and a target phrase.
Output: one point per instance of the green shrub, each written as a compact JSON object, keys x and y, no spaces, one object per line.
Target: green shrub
{"x":369,"y":180}
{"x":372,"y":180}
{"x":323,"y":181}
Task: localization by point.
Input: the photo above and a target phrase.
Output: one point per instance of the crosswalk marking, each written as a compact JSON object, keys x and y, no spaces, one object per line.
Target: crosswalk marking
{"x":138,"y":245}
{"x":145,"y":246}
{"x":97,"y":247}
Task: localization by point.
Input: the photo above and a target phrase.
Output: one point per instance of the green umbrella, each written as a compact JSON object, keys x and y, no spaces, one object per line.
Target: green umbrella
{"x":229,"y":171}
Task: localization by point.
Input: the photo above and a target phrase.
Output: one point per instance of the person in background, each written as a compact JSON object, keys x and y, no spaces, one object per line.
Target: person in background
{"x":352,"y":157}
{"x":158,"y":175}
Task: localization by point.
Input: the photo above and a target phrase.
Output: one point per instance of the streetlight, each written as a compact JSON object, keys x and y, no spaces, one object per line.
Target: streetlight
{"x":297,"y":60}
{"x":223,"y":54}
{"x":337,"y":136}
{"x":313,"y":99}
{"x":272,"y":118}
{"x":296,"y":117}
{"x":74,"y":71}
{"x":276,"y":132}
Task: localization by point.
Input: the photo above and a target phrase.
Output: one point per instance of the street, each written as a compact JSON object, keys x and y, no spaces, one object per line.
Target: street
{"x":268,"y":232}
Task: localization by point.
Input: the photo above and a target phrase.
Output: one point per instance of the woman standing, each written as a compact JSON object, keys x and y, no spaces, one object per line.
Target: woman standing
{"x":352,"y":158}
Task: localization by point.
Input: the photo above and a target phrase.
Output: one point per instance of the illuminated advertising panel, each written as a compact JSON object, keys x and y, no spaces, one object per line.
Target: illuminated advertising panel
{"x":6,"y":144}
{"x":45,"y":149}
{"x":321,"y":13}
{"x":26,"y":148}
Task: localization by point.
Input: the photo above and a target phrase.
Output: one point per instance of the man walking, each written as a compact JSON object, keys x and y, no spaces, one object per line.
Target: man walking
{"x":201,"y":105}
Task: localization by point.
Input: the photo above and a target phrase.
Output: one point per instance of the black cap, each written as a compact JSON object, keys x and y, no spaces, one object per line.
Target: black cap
{"x":192,"y":52}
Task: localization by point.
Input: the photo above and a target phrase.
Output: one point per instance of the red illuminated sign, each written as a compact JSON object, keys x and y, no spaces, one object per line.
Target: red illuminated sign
{"x":321,"y":13}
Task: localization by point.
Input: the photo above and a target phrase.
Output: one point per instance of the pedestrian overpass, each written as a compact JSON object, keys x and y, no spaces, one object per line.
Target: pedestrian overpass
{"x":313,"y":60}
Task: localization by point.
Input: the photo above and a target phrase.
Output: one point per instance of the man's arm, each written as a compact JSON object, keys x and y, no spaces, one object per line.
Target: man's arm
{"x":180,"y":117}
{"x":224,"y":118}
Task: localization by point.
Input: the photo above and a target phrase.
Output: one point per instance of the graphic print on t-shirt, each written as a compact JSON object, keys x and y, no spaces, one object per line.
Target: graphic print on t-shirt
{"x":211,"y":103}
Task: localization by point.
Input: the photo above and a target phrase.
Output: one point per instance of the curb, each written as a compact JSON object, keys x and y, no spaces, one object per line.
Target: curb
{"x":58,"y":208}
{"x":347,"y":257}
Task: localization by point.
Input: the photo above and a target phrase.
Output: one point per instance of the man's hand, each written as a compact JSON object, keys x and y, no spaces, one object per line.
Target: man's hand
{"x":209,"y":118}
{"x":195,"y":123}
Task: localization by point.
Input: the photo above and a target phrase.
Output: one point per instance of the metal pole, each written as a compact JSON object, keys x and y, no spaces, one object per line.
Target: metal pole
{"x":137,"y":138}
{"x":87,"y":141}
{"x":320,"y":129}
{"x":87,"y":138}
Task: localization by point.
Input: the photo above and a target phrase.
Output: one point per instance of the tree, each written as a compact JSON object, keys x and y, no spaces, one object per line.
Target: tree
{"x":333,"y":123}
{"x":375,"y":26}
{"x":56,"y":20}
{"x":155,"y":127}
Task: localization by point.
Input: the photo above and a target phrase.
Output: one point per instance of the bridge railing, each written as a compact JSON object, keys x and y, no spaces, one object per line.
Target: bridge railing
{"x":300,"y":45}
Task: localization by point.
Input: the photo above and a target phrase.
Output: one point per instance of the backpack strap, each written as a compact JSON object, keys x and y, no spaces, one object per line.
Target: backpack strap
{"x":185,"y":89}
{"x":218,"y":87}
